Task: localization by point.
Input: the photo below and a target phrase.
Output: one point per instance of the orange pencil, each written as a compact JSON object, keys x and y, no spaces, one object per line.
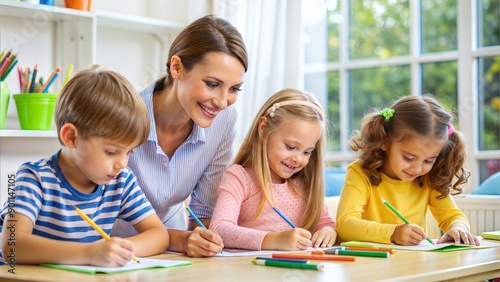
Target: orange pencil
{"x":386,"y":250}
{"x":50,"y":80}
{"x":314,"y":257}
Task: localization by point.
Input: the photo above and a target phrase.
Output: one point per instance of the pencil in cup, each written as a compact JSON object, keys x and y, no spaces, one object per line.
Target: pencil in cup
{"x":402,"y":217}
{"x":288,"y":264}
{"x":49,"y":81}
{"x":97,"y":228}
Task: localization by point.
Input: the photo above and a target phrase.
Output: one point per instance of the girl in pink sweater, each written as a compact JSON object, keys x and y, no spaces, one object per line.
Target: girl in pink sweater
{"x":279,"y":165}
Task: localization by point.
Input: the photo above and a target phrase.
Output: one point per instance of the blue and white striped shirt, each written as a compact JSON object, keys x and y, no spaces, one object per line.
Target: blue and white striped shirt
{"x":195,"y":169}
{"x":44,"y":195}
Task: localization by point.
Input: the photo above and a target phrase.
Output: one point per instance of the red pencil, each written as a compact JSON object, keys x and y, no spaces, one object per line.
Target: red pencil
{"x":314,"y":257}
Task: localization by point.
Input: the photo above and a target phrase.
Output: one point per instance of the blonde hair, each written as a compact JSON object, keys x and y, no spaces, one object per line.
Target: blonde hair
{"x":293,"y":105}
{"x":103,"y":103}
{"x":421,"y":116}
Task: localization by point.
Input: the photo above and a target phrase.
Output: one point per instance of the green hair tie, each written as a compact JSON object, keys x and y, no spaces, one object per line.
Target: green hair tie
{"x":387,"y":113}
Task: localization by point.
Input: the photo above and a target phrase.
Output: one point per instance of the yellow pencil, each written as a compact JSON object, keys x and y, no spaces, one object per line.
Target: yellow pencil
{"x":68,"y":74}
{"x":97,"y":228}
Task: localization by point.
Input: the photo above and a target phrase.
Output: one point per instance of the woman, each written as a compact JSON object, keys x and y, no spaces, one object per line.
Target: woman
{"x":193,"y":128}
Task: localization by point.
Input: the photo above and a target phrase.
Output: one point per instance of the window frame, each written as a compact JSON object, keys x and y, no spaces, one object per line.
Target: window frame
{"x":467,"y":56}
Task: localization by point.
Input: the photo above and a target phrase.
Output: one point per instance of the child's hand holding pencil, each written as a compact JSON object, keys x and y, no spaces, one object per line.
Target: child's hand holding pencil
{"x":111,"y":252}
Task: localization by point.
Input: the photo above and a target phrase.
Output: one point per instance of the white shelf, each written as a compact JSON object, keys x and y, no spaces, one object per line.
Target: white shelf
{"x":136,"y":23}
{"x":15,"y":133}
{"x":103,"y":18}
{"x":40,"y":13}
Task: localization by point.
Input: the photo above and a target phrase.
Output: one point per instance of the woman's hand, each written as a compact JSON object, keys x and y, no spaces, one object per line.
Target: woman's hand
{"x":203,"y":243}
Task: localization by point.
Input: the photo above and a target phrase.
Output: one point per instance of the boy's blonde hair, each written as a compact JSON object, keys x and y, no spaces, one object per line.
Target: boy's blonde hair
{"x":103,"y":103}
{"x":414,"y":116}
{"x":293,"y":105}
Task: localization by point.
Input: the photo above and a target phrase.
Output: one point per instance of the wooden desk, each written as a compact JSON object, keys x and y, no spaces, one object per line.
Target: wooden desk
{"x":469,"y":265}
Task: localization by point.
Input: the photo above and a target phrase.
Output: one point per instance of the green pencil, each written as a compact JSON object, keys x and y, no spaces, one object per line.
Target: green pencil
{"x":286,"y":264}
{"x":358,"y":253}
{"x":402,"y":217}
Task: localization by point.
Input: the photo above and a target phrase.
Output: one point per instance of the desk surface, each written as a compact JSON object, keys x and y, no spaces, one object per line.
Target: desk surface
{"x":471,"y":265}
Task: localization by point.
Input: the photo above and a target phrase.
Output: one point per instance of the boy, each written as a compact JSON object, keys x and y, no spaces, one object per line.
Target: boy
{"x":100,"y":118}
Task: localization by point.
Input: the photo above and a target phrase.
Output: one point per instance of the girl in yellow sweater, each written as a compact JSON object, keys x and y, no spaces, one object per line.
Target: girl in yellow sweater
{"x":411,"y":156}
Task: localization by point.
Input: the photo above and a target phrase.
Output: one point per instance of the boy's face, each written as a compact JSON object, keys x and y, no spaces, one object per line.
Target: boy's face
{"x":411,"y":158}
{"x":97,"y":161}
{"x":289,"y":148}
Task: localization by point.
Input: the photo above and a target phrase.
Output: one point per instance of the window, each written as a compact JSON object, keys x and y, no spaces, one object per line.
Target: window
{"x":360,"y":55}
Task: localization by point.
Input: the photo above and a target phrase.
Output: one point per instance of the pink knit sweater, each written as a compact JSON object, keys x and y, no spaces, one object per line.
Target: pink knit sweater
{"x":238,"y":203}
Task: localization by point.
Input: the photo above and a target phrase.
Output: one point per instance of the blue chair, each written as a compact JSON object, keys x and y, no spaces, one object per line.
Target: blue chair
{"x":490,"y":186}
{"x":334,"y":181}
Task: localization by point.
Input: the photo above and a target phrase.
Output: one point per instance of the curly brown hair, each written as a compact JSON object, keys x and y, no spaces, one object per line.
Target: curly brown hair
{"x":421,"y":116}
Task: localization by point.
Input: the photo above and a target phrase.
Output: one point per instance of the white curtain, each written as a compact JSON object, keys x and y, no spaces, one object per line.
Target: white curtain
{"x":271,"y":30}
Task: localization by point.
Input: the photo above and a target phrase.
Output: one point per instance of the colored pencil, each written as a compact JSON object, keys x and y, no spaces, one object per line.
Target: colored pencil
{"x":284,"y":259}
{"x":68,"y":74}
{"x":314,"y":257}
{"x":387,"y":250}
{"x":358,"y":253}
{"x":196,"y":218}
{"x":401,"y":217}
{"x":49,"y":81}
{"x":96,"y":227}
{"x":198,"y":221}
{"x":288,"y":264}
{"x":12,"y":65}
{"x":20,"y":74}
{"x":33,"y":79}
{"x":284,"y":217}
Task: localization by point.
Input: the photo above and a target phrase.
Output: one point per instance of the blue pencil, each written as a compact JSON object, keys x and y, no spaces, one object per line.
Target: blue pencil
{"x":284,"y":217}
{"x":51,"y":80}
{"x":196,"y":218}
{"x":198,"y":221}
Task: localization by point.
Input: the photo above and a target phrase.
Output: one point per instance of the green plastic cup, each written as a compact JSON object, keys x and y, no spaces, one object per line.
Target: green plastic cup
{"x":4,"y":103}
{"x":35,"y":110}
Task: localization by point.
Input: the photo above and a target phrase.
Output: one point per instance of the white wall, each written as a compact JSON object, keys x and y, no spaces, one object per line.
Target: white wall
{"x":138,"y":56}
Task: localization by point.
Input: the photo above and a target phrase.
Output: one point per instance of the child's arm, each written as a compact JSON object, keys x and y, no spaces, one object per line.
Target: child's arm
{"x":289,"y":240}
{"x":18,"y":240}
{"x":352,"y":206}
{"x":237,"y":199}
{"x":459,"y":233}
{"x":324,"y":237}
{"x":325,"y":233}
{"x":451,"y":220}
{"x":152,"y":237}
{"x":408,"y":235}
